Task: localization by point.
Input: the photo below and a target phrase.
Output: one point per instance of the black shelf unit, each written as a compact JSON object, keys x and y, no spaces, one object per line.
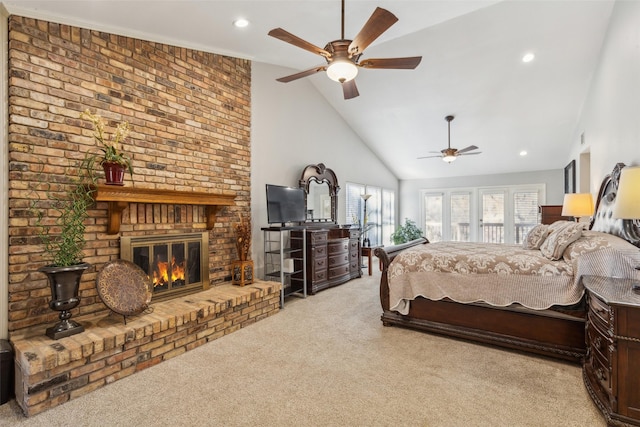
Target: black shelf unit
{"x":285,"y":260}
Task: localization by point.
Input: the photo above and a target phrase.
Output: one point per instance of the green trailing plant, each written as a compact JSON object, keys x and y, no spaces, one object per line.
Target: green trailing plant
{"x":63,"y":239}
{"x":407,"y":232}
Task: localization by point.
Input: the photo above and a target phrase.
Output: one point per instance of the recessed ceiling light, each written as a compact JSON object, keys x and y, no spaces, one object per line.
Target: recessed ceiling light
{"x":528,"y":57}
{"x":523,"y":153}
{"x":240,"y":23}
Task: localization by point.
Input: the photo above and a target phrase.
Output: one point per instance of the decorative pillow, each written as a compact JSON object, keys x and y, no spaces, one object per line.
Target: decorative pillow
{"x":555,"y":244}
{"x":558,"y":225}
{"x":535,"y":237}
{"x":594,"y":240}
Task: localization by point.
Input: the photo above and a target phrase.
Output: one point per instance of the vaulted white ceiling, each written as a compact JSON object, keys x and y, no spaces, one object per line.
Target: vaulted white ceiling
{"x":471,"y":67}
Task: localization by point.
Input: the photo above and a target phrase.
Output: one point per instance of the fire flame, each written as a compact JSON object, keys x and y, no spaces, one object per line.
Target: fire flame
{"x":161,"y":272}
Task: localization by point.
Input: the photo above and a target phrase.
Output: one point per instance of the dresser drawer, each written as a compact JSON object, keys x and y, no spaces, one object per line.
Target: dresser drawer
{"x":338,"y":246}
{"x":319,"y":252}
{"x":336,"y":272}
{"x":318,"y":237}
{"x":319,"y":263}
{"x":599,"y":342}
{"x":339,"y":259}
{"x":319,"y":276}
{"x":600,"y":378}
{"x":599,"y":313}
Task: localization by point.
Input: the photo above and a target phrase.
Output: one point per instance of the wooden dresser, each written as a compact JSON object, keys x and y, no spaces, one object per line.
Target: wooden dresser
{"x":333,"y":256}
{"x":611,"y":369}
{"x":552,"y":213}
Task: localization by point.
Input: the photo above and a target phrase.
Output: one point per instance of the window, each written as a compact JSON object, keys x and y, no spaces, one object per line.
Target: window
{"x":434,"y":220}
{"x":495,"y":214}
{"x":380,"y":211}
{"x":460,"y":217}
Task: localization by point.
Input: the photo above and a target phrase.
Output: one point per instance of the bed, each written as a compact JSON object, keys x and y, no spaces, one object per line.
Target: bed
{"x":524,"y":297}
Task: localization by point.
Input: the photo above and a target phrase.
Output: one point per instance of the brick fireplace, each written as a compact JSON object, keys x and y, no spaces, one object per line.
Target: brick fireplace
{"x":176,"y":264}
{"x":190,"y":115}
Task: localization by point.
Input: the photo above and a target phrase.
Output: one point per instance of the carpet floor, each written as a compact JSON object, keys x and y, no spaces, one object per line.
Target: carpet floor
{"x":327,"y":361}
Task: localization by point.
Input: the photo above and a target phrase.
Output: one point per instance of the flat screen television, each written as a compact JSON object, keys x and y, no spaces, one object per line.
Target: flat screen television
{"x":285,"y":204}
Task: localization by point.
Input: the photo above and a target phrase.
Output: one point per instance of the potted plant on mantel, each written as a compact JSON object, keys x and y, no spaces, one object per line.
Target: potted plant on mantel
{"x":63,"y":239}
{"x":113,"y":160}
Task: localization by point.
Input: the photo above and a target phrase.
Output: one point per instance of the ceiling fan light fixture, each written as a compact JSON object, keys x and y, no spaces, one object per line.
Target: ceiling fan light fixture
{"x":449,"y":158}
{"x":342,"y":70}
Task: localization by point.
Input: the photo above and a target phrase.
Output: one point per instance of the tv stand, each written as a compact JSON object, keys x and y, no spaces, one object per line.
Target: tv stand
{"x":332,"y":255}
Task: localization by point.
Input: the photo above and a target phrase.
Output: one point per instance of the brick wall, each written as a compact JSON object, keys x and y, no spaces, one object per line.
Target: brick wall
{"x":190,"y":118}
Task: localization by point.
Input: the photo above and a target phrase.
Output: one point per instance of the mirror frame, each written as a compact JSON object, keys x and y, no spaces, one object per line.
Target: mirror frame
{"x":320,"y":173}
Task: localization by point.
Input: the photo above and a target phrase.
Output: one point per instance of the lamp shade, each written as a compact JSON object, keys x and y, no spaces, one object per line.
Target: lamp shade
{"x":342,"y":70}
{"x":627,"y":205}
{"x":577,"y":204}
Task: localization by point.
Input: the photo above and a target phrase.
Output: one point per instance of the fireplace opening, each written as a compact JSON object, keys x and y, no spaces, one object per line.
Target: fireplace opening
{"x":176,"y":264}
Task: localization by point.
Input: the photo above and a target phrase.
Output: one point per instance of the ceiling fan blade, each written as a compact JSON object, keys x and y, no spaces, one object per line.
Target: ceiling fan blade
{"x":302,"y":74}
{"x":468,"y":154}
{"x":286,"y":36}
{"x":408,"y":63}
{"x":429,"y":157}
{"x":469,"y":148}
{"x":378,"y":23}
{"x":350,"y":89}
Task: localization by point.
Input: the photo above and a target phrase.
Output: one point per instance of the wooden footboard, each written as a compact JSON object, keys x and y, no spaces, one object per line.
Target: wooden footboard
{"x":559,"y":336}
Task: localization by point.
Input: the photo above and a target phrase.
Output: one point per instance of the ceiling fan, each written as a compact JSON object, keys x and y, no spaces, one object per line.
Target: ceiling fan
{"x":343,"y":55}
{"x":449,"y":154}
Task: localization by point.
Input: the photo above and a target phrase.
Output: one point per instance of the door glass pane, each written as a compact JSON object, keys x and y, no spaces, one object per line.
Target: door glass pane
{"x":525,"y":213}
{"x":493,"y":217}
{"x":433,"y":217}
{"x":460,"y":217}
{"x":388,"y":215}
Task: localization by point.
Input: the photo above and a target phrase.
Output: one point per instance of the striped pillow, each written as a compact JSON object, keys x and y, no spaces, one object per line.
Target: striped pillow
{"x":536,"y":237}
{"x":555,"y":244}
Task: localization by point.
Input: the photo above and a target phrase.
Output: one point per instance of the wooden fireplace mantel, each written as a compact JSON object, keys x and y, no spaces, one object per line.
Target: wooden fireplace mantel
{"x":120,"y":197}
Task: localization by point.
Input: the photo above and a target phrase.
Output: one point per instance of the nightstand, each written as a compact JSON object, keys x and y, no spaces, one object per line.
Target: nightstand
{"x":611,"y":369}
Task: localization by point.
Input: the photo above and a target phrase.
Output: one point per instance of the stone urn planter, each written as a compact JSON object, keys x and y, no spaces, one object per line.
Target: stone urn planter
{"x":65,"y":284}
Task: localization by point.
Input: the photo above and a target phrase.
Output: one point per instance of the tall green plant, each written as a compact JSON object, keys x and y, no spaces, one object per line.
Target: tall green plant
{"x":64,"y":240}
{"x":407,"y":232}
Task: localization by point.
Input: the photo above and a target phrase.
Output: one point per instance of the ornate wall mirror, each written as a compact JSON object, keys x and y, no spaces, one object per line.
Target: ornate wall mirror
{"x":321,"y":190}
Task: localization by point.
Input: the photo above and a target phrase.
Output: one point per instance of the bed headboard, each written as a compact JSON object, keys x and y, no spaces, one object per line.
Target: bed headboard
{"x":603,"y":221}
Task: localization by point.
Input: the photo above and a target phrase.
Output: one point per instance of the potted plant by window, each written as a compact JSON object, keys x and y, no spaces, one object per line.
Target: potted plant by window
{"x":113,"y":160}
{"x":63,"y":239}
{"x":406,"y":233}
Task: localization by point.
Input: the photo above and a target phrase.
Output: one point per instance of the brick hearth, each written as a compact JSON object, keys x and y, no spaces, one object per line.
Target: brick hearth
{"x":49,"y":373}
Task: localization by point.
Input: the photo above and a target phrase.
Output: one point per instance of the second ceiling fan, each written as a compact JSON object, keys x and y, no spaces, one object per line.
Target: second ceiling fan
{"x":343,"y":56}
{"x":449,"y":154}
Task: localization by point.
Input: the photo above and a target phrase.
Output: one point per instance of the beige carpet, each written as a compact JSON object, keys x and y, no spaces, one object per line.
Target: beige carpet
{"x":328,"y":361}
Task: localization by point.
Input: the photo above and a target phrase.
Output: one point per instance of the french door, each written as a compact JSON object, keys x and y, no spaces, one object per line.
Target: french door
{"x":492,"y":215}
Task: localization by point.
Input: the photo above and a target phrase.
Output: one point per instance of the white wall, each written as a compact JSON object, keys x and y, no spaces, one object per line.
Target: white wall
{"x":410,"y":189}
{"x":610,"y":119}
{"x":293,"y":126}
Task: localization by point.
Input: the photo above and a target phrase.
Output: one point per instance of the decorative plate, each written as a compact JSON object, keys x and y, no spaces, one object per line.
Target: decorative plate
{"x":124,"y":287}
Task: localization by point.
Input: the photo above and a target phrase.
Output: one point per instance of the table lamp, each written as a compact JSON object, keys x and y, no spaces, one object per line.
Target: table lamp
{"x":577,"y":205}
{"x":627,"y":204}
